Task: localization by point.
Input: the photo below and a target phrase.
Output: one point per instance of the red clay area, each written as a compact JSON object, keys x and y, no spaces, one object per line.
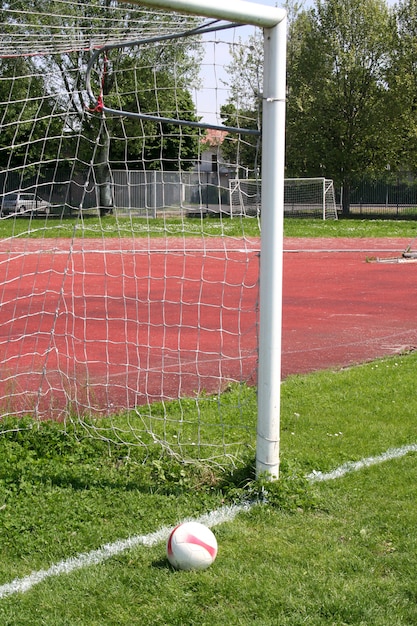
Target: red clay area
{"x":114,"y":323}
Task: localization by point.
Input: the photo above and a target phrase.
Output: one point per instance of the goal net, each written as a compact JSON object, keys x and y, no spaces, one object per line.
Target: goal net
{"x":123,"y":310}
{"x":303,"y":197}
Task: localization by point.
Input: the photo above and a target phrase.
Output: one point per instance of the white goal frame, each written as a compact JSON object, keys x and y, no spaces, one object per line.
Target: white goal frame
{"x":66,"y":141}
{"x":274,"y":22}
{"x":316,"y":197}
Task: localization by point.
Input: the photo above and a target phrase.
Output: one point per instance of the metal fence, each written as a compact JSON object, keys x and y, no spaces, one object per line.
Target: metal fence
{"x":138,"y":192}
{"x":391,"y":198}
{"x":147,"y":193}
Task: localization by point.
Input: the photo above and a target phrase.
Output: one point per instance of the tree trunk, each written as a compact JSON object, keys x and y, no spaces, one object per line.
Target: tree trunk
{"x":346,"y":199}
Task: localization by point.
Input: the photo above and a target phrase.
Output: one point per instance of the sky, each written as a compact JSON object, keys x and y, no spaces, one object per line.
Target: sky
{"x":213,"y":92}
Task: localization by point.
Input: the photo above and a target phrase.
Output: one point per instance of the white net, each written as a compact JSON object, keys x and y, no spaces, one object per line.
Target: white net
{"x":303,"y":197}
{"x":122,"y":308}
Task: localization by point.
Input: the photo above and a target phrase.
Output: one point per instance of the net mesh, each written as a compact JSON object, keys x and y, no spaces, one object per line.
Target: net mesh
{"x":123,"y":307}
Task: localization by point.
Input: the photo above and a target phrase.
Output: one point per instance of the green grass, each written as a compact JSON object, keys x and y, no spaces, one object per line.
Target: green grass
{"x":332,"y":553}
{"x":120,"y":226}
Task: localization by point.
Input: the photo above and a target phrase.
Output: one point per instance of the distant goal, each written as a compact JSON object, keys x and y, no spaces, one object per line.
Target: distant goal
{"x":303,"y":197}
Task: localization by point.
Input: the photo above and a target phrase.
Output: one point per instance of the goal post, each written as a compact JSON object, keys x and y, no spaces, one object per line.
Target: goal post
{"x":90,"y":134}
{"x":272,"y":245}
{"x":303,"y":197}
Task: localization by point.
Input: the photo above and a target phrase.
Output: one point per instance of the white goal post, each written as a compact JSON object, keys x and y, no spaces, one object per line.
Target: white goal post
{"x":86,"y":128}
{"x":303,"y":197}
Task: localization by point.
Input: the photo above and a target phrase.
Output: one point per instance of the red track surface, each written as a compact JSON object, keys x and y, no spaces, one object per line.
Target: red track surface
{"x":59,"y":344}
{"x":339,"y":309}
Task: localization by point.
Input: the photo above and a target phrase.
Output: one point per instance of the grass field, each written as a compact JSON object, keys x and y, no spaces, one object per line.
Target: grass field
{"x":120,"y":226}
{"x":340,"y":551}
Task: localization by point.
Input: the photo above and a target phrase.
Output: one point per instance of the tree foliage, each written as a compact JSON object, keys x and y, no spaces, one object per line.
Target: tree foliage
{"x":24,"y":100}
{"x":50,"y":88}
{"x":148,"y":86}
{"x":242,"y":150}
{"x":351,"y":89}
{"x":244,"y":107}
{"x":339,"y":102}
{"x":403,"y":82}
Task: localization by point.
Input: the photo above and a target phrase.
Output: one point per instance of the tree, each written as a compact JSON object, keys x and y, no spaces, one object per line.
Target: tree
{"x":85,"y":135}
{"x":403,"y":81}
{"x":340,"y":115}
{"x":22,"y":92}
{"x":147,"y":87}
{"x":244,"y":106}
{"x":342,"y":104}
{"x":242,"y":150}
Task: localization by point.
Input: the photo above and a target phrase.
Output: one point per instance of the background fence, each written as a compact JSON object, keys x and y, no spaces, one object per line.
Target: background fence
{"x":146,"y":193}
{"x":142,"y":192}
{"x":391,"y":198}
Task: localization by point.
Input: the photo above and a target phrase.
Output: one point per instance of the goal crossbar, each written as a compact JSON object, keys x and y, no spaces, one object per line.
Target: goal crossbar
{"x":235,"y":10}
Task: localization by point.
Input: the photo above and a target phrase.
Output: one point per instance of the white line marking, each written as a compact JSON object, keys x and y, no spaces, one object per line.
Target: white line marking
{"x":354,"y":466}
{"x":219,"y":516}
{"x":21,"y":585}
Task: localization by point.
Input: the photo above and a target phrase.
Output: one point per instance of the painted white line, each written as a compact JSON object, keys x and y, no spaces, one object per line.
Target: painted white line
{"x":13,"y":256}
{"x":354,"y":466}
{"x":219,"y":516}
{"x":21,"y":585}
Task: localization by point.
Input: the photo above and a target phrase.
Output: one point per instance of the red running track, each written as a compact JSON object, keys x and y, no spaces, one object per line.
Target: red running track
{"x":339,"y":308}
{"x":60,"y":345}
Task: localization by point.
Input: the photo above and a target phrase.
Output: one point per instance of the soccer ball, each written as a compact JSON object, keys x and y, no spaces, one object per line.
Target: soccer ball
{"x":191,"y":546}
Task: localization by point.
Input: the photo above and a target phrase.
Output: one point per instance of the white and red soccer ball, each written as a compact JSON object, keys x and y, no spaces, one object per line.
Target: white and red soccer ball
{"x":191,"y":545}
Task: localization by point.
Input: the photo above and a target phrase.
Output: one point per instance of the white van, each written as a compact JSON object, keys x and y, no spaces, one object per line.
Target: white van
{"x":20,"y":203}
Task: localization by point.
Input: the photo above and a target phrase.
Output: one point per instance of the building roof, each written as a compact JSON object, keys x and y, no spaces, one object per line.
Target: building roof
{"x":214,"y":137}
